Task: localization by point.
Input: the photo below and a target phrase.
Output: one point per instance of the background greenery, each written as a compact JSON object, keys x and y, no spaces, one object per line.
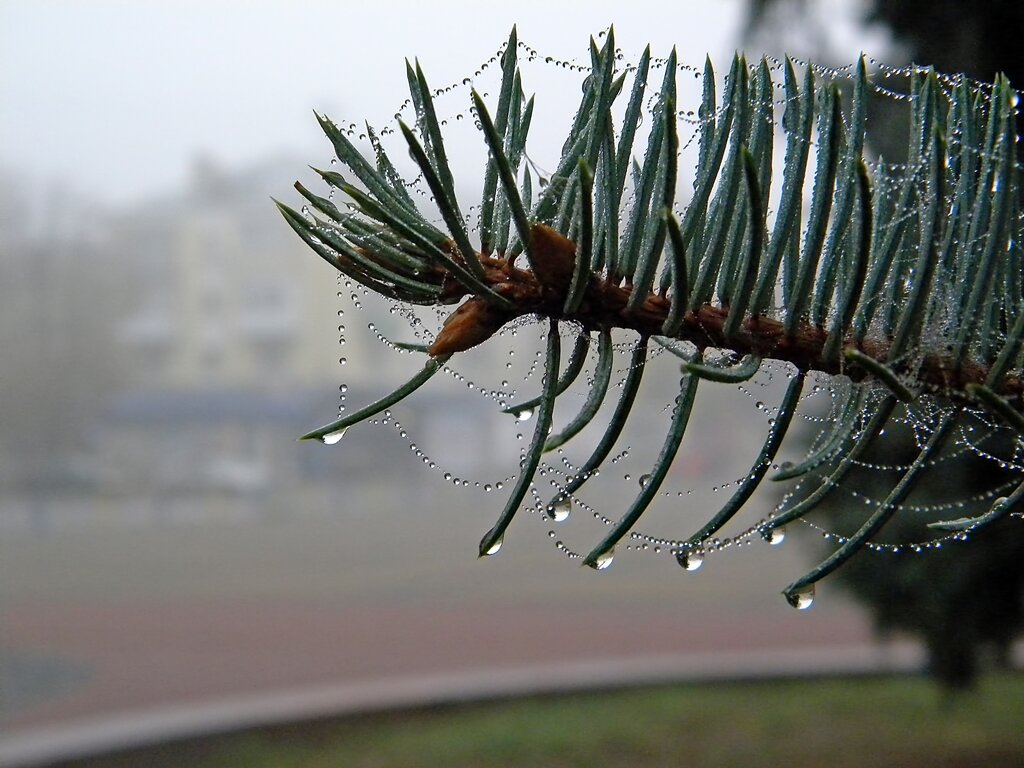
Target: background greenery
{"x":841,"y":723}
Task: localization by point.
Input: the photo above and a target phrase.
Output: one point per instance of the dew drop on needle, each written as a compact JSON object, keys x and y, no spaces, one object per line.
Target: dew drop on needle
{"x":690,"y":559}
{"x":559,"y":510}
{"x":604,"y":561}
{"x":802,"y":598}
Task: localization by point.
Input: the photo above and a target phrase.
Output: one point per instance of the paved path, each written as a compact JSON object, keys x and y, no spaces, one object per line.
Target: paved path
{"x":141,"y":655}
{"x":128,"y":636}
{"x":159,"y":669}
{"x":37,"y":746}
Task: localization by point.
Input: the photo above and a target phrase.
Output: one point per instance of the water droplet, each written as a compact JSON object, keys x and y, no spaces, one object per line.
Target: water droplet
{"x":559,"y":509}
{"x":774,"y":536}
{"x":495,"y":547}
{"x":524,"y":415}
{"x":690,"y":559}
{"x":801,"y":599}
{"x":604,"y":561}
{"x":644,"y":480}
{"x":333,"y":437}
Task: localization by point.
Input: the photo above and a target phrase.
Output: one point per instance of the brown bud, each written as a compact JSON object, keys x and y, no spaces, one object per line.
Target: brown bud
{"x":472,"y":323}
{"x":553,"y":257}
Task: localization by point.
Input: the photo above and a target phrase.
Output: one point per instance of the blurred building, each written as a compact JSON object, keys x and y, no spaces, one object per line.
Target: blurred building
{"x":56,"y":318}
{"x":223,"y":295}
{"x":181,"y":345}
{"x":231,"y":327}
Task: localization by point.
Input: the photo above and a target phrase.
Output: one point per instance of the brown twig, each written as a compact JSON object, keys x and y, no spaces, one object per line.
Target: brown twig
{"x":604,"y":306}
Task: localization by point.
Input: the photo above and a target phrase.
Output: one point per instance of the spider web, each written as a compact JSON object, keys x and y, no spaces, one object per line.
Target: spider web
{"x":729,"y":421}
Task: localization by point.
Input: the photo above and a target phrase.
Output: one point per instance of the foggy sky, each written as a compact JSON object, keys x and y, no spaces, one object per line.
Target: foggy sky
{"x":115,"y":99}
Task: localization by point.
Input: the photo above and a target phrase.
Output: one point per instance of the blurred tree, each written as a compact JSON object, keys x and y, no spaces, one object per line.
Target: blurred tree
{"x":963,"y":602}
{"x":976,"y":37}
{"x":59,"y":290}
{"x":979,"y":38}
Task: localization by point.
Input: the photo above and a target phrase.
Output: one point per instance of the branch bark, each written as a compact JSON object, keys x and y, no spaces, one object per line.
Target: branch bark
{"x":605,"y":303}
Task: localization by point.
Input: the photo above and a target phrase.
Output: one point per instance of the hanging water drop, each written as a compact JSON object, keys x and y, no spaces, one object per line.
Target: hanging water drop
{"x":524,"y":415}
{"x":690,"y":559}
{"x":802,"y":598}
{"x":776,"y":536}
{"x":644,"y":480}
{"x":559,"y":509}
{"x":333,"y":437}
{"x":495,"y":547}
{"x":604,"y":560}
